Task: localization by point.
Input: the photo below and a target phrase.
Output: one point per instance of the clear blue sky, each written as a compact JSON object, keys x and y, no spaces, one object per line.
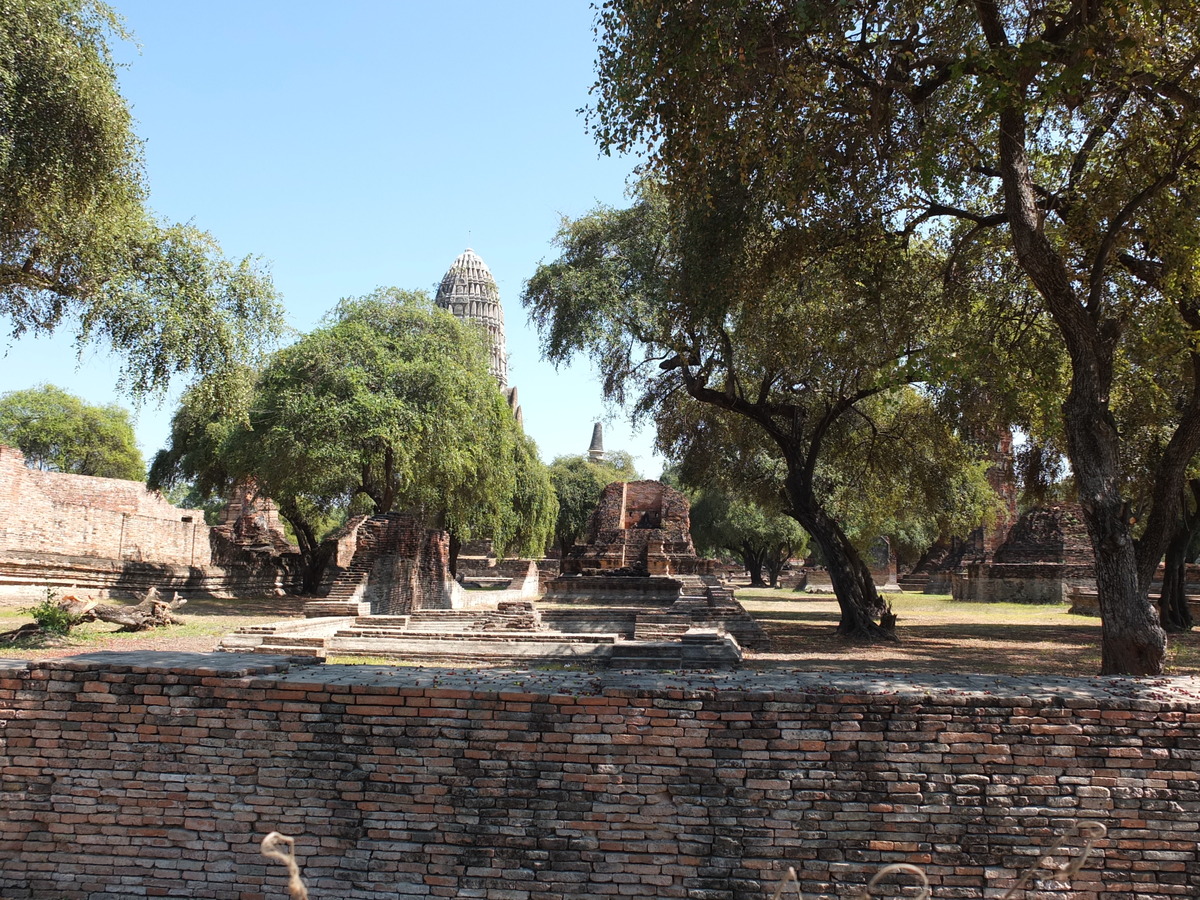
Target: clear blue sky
{"x":360,"y":144}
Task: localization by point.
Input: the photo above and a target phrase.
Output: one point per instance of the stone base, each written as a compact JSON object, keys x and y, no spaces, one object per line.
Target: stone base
{"x":614,"y":589}
{"x":1048,"y":583}
{"x":27,"y":577}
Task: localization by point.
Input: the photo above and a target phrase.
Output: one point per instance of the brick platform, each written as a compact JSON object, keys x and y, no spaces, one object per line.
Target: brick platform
{"x":134,"y":775}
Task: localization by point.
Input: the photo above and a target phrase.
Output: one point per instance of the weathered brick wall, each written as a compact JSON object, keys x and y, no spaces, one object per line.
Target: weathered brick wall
{"x":49,"y":512}
{"x":122,"y":780}
{"x":1048,"y":535}
{"x":1020,"y":582}
{"x":26,"y":579}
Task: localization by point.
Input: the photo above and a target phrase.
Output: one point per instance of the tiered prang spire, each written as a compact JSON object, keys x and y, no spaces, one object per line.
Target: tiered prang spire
{"x":469,"y":291}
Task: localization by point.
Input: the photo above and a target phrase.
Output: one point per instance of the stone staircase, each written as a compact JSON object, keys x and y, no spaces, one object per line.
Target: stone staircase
{"x":344,"y":597}
{"x":710,"y":604}
{"x":511,"y":618}
{"x":914,"y":581}
{"x":696,"y":649}
{"x":660,"y":626}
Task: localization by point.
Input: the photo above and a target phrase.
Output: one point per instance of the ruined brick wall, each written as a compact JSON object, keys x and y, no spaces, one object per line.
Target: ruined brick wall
{"x":79,"y":515}
{"x":1046,"y":556}
{"x":411,"y":568}
{"x":1047,"y":535}
{"x":1021,"y":582}
{"x":639,"y":523}
{"x":123,"y":780}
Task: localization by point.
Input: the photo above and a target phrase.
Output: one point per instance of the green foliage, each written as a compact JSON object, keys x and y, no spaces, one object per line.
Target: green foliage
{"x":761,"y":537}
{"x":899,"y":469}
{"x":51,"y":617}
{"x":577,"y":483}
{"x":387,"y":407}
{"x":58,"y":432}
{"x":528,"y":520}
{"x":77,"y":244}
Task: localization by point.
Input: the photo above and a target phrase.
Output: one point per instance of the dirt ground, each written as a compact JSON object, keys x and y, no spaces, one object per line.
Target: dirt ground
{"x":938,"y":635}
{"x":935,"y":635}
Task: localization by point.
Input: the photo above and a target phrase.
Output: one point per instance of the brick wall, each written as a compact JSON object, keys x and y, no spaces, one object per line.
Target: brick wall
{"x":121,"y":779}
{"x":638,"y":524}
{"x":1048,"y":535}
{"x":79,"y":515}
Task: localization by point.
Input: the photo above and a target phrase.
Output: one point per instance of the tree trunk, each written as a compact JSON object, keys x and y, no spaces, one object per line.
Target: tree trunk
{"x":1174,"y":611}
{"x":776,"y":560}
{"x":152,"y":612}
{"x":455,"y":548}
{"x":753,"y":561}
{"x":1173,"y":605}
{"x":314,"y":564}
{"x":1132,"y":641}
{"x":858,"y":600}
{"x":312,"y":561}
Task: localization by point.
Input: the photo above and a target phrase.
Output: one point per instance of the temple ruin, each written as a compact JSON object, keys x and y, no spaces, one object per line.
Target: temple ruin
{"x":639,"y":528}
{"x":111,"y":537}
{"x":1045,"y":557}
{"x":391,"y":596}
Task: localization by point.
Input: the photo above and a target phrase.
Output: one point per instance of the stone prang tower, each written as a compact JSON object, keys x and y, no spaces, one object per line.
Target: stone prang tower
{"x":469,"y":291}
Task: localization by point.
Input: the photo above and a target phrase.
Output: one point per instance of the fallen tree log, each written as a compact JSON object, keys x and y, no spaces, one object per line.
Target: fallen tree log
{"x":29,"y":629}
{"x":152,"y":612}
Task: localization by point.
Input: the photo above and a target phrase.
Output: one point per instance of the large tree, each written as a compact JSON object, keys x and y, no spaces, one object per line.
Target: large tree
{"x":897,"y":468}
{"x":387,"y":407}
{"x":77,"y":244}
{"x":1063,"y":134}
{"x":59,"y":432}
{"x":793,"y":347}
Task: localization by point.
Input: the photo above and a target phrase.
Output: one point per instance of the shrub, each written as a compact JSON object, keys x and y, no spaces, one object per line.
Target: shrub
{"x":51,"y":617}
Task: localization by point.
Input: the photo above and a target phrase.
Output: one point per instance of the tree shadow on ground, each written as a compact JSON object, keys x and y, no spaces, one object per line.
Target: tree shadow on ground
{"x":1013,"y":649}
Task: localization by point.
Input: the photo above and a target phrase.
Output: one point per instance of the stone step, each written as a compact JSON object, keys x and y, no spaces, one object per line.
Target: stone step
{"x":383,"y":621}
{"x":439,"y":652}
{"x":647,"y":650}
{"x":287,"y":640}
{"x":273,"y":650}
{"x":663,"y":662}
{"x":499,"y":637}
{"x":318,"y":609}
{"x":659,"y":632}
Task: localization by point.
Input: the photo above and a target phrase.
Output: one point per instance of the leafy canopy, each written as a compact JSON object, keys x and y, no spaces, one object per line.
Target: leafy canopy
{"x":389,"y":406}
{"x":77,"y":244}
{"x":59,"y":432}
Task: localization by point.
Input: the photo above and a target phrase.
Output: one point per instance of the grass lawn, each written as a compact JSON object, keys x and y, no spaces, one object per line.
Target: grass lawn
{"x":204,"y":622}
{"x":939,"y":635}
{"x":936,"y":635}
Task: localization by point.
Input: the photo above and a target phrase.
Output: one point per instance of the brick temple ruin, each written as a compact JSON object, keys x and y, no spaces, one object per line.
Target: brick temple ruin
{"x":114,"y":538}
{"x":640,"y":528}
{"x":1045,"y":557}
{"x":392,"y":596}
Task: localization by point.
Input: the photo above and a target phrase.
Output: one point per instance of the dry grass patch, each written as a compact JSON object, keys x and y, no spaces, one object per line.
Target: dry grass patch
{"x":940,"y":635}
{"x":205,"y":622}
